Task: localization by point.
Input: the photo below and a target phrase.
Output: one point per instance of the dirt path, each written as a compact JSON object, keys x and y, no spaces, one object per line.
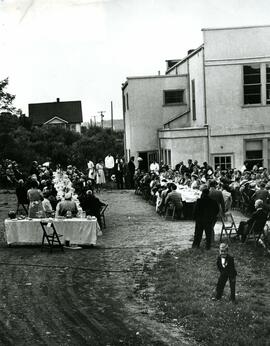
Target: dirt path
{"x":90,"y":296}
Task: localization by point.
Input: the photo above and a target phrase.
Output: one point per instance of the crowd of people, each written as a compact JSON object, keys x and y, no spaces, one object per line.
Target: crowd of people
{"x":38,"y":191}
{"x":231,"y":188}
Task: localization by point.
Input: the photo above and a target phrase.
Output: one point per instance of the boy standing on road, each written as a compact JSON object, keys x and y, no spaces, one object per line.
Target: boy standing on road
{"x":225,"y":264}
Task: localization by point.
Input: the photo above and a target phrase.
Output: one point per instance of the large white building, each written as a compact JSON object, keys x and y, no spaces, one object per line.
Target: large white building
{"x":213,"y":105}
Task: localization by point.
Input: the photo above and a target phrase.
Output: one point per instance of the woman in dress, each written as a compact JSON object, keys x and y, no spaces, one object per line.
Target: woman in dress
{"x":100,"y":177}
{"x":35,"y":198}
{"x":91,"y":168}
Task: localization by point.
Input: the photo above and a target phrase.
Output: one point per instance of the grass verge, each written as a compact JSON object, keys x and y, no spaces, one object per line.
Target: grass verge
{"x":185,"y":282}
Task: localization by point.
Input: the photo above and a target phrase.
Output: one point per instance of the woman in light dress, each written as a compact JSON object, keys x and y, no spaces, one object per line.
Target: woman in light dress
{"x":100,"y":177}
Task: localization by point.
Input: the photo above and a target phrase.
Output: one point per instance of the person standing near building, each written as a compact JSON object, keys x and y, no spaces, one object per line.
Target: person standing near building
{"x":131,"y":172}
{"x":109,"y":165}
{"x":100,"y":177}
{"x":206,"y":211}
{"x":91,"y":170}
{"x":119,"y":172}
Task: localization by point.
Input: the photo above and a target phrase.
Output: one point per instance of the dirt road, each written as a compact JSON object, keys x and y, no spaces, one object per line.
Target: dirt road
{"x":91,"y":296}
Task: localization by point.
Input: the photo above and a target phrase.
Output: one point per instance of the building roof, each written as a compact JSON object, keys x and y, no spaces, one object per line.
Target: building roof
{"x":70,"y":111}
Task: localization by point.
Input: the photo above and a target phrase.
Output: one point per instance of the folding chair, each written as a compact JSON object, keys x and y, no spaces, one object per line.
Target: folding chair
{"x":228,"y":226}
{"x":170,"y":208}
{"x":102,"y":216}
{"x":51,"y":238}
{"x":256,"y":231}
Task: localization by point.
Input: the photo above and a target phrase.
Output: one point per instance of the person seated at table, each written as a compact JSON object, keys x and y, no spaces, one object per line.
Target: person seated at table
{"x":66,"y":206}
{"x":91,"y":205}
{"x":262,"y":194}
{"x":35,"y":198}
{"x":47,"y":204}
{"x":257,"y":220}
{"x":195,"y":184}
{"x":175,"y":198}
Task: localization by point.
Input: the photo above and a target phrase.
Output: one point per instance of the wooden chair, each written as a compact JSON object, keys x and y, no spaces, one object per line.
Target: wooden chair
{"x":228,"y":226}
{"x":170,"y":208}
{"x":50,"y":235}
{"x":102,"y":216}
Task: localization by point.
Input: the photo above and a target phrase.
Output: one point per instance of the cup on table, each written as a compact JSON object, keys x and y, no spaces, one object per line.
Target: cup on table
{"x":83,"y":214}
{"x":67,"y":242}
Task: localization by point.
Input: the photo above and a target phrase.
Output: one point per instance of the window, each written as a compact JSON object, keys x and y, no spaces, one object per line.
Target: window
{"x":224,"y":161}
{"x":268,"y":84}
{"x":72,"y":127}
{"x":252,"y":84}
{"x":193,"y":99}
{"x":169,"y":158}
{"x":173,"y":97}
{"x":127,"y":102}
{"x":254,"y":153}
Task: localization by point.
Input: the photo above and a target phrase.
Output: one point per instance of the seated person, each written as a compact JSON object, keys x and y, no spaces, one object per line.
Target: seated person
{"x":175,"y":198}
{"x":47,"y":204}
{"x":257,"y":220}
{"x":91,"y":205}
{"x":66,"y":206}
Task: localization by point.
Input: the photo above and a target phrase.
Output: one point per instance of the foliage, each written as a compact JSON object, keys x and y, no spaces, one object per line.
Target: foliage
{"x":6,"y":98}
{"x":184,"y":285}
{"x":22,"y":142}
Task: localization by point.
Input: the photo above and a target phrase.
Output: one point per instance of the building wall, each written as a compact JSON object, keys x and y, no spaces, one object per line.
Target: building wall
{"x":231,"y":122}
{"x":184,"y":144}
{"x":146,"y":112}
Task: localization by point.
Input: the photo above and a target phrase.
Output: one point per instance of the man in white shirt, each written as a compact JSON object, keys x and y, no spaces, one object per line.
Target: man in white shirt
{"x":154,"y":167}
{"x":109,"y":165}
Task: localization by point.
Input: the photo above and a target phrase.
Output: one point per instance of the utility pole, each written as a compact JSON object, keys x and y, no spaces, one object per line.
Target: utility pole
{"x":112,"y":115}
{"x":102,"y":116}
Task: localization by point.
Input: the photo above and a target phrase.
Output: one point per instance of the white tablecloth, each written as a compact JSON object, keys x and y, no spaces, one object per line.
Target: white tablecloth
{"x":188,"y":195}
{"x":78,"y":231}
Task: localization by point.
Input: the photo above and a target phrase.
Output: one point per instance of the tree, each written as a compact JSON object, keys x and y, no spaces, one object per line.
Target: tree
{"x":6,"y":99}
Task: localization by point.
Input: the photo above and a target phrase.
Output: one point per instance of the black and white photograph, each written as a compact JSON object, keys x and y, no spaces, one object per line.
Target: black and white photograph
{"x":134,"y":173}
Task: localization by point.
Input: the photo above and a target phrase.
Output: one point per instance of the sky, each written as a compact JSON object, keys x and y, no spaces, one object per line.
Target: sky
{"x":85,"y":49}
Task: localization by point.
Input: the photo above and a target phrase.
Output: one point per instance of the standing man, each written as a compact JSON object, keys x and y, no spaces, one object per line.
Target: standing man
{"x":109,"y":165}
{"x":131,"y":172}
{"x":119,"y":172}
{"x":206,"y":211}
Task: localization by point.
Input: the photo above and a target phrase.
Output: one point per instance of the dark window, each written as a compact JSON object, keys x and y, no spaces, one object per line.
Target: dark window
{"x":127,"y":102}
{"x":252,"y":84}
{"x":169,"y":158}
{"x":268,"y":84}
{"x":193,"y":100}
{"x":173,"y":96}
{"x":225,"y":162}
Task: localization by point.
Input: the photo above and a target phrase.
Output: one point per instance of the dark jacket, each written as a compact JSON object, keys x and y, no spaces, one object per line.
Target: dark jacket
{"x":206,"y":210}
{"x":229,"y":269}
{"x":259,"y":217}
{"x":91,"y":205}
{"x":217,"y":196}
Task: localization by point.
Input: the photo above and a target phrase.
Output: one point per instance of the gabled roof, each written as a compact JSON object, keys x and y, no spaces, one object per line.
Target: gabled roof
{"x":56,"y":118}
{"x":70,"y":111}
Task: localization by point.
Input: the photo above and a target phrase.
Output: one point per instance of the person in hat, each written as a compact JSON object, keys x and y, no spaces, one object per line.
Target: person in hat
{"x":226,"y":267}
{"x":66,"y":206}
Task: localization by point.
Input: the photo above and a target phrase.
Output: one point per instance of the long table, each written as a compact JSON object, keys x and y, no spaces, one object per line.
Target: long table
{"x":78,"y":231}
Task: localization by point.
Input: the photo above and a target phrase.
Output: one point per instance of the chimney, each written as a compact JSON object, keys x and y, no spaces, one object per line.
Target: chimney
{"x":58,"y":99}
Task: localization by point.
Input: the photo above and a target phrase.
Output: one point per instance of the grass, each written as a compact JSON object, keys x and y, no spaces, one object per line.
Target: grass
{"x":185,"y":283}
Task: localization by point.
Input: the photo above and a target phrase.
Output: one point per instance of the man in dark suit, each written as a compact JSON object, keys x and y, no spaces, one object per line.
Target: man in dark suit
{"x":206,"y":211}
{"x":257,"y":220}
{"x":91,"y":205}
{"x":131,"y":172}
{"x":225,"y":264}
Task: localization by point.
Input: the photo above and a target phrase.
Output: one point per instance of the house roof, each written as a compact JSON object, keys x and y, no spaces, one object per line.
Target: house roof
{"x":70,"y":111}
